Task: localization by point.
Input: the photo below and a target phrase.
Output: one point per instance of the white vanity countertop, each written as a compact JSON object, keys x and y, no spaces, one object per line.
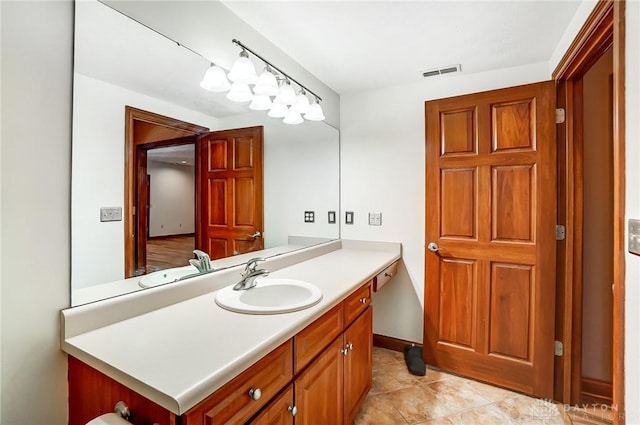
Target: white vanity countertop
{"x":179,"y":354}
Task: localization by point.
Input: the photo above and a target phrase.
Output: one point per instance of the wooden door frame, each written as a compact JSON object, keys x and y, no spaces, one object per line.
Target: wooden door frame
{"x":605,"y":28}
{"x":131,"y":168}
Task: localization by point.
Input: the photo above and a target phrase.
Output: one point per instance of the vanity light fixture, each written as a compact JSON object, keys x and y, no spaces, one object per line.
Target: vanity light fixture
{"x":273,"y":90}
{"x":278,"y":110}
{"x":215,"y":79}
{"x":240,"y":92}
{"x":243,"y":71}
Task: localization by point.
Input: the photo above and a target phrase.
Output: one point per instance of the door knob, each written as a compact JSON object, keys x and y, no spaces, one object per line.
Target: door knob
{"x":433,"y":247}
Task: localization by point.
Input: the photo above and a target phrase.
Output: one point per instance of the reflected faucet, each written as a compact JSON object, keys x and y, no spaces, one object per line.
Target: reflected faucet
{"x":250,"y":274}
{"x":203,"y":263}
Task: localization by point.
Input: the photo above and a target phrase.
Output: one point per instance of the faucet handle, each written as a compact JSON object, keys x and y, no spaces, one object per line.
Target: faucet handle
{"x":253,"y":263}
{"x":200,"y":254}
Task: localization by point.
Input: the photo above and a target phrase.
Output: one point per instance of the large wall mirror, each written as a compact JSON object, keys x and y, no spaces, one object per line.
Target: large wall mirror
{"x":126,"y":68}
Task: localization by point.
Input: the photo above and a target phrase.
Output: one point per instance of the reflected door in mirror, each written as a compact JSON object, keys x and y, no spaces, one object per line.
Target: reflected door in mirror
{"x":231,"y":195}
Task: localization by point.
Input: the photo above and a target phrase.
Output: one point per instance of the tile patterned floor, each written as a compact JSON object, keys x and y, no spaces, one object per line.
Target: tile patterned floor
{"x":438,"y":398}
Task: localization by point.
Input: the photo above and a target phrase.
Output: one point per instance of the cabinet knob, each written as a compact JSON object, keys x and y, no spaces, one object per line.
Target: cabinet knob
{"x":293,"y":410}
{"x":255,"y":393}
{"x":344,"y":351}
{"x":350,"y":346}
{"x":363,"y":300}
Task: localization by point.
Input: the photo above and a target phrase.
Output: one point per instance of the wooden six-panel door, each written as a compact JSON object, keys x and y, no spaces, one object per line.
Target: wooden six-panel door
{"x":491,"y":208}
{"x":231,"y":193}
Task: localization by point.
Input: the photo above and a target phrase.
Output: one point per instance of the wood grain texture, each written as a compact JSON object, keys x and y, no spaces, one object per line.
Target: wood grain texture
{"x":232,"y":403}
{"x":354,"y":305}
{"x":515,"y":225}
{"x":604,"y":28}
{"x":358,"y":364}
{"x":595,"y":391}
{"x":91,"y":394}
{"x":309,"y":342}
{"x":164,"y":252}
{"x":276,"y":412}
{"x":318,"y":390}
{"x":619,"y":125}
{"x":231,"y":174}
{"x":155,"y":126}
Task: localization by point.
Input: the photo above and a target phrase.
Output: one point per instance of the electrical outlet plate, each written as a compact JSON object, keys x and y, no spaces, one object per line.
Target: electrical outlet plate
{"x":348,"y":217}
{"x":375,"y":219}
{"x":332,"y":217}
{"x":111,"y":214}
{"x":309,"y":216}
{"x":634,"y":236}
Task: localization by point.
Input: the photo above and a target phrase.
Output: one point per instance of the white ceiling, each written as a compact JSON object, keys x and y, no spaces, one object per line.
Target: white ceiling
{"x":358,"y":45}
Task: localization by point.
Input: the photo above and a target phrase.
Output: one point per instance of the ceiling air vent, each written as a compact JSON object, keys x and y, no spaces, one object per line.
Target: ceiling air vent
{"x":441,"y":71}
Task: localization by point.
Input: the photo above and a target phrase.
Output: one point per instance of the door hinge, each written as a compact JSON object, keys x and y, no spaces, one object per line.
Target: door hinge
{"x":560,"y":232}
{"x":558,"y":348}
{"x":559,"y":115}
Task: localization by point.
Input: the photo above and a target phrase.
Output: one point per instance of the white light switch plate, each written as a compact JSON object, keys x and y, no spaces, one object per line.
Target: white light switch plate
{"x":634,"y":236}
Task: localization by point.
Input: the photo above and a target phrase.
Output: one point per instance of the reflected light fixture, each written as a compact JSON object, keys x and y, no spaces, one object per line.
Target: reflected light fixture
{"x":260,"y":102}
{"x":301,"y":105}
{"x":240,"y":92}
{"x":267,"y":83}
{"x":293,"y":117}
{"x":287,"y":95}
{"x":278,"y":110}
{"x":215,"y":79}
{"x":243,"y":71}
{"x":315,"y":112}
{"x":273,"y":90}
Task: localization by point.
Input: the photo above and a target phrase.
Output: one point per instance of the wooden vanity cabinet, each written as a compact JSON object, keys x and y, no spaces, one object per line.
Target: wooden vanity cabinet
{"x":358,"y":364}
{"x":247,"y":393}
{"x":278,"y":411}
{"x":321,"y":375}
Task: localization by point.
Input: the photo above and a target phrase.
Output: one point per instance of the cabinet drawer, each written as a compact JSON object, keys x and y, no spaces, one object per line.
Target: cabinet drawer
{"x":356,"y":303}
{"x":384,"y":276}
{"x":233,"y":402}
{"x":309,"y":342}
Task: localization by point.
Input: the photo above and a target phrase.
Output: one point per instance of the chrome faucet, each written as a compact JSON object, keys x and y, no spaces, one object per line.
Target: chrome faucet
{"x":203,"y":263}
{"x":250,"y":274}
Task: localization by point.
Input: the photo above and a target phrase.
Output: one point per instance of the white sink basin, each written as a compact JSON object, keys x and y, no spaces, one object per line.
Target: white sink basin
{"x":166,"y":276}
{"x":270,"y":296}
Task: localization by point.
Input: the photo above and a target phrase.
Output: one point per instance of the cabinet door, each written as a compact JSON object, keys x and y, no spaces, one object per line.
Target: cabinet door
{"x":358,"y":364}
{"x":277,"y":412}
{"x":319,"y":389}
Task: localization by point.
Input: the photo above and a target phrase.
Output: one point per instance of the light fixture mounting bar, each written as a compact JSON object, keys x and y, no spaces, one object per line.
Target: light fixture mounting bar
{"x":244,"y":46}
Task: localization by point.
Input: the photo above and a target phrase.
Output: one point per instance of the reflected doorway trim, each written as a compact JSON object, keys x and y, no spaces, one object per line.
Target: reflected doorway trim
{"x":604,"y":28}
{"x":130,"y":166}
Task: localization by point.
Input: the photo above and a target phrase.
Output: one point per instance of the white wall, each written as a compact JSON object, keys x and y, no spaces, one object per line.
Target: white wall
{"x":172,"y":199}
{"x":98,"y":173}
{"x":383,"y":170}
{"x":37,"y":43}
{"x":632,"y":279}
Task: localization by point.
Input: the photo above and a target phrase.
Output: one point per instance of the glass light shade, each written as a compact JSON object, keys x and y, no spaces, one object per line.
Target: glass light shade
{"x":267,"y":84}
{"x":301,"y":104}
{"x":293,"y":117}
{"x":242,"y":70}
{"x":315,"y":113}
{"x":260,"y":102}
{"x":240,"y":93}
{"x":287,"y":95}
{"x":278,"y":110}
{"x":215,"y":80}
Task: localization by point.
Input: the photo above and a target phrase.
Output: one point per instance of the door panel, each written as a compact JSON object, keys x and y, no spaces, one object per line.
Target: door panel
{"x":231,"y":173}
{"x":491,"y":208}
